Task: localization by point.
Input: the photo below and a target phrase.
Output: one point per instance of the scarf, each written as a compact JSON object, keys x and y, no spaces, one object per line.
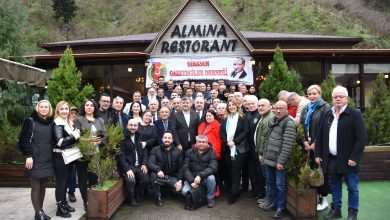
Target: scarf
{"x":310,"y":109}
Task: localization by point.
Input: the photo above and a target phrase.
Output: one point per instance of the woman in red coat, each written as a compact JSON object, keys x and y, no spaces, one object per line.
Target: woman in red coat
{"x":211,"y":128}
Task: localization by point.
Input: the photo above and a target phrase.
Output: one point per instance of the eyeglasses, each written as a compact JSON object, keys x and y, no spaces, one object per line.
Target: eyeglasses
{"x":339,"y":96}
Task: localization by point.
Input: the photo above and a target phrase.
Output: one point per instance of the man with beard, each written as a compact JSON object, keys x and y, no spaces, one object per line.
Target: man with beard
{"x":165,"y":163}
{"x":200,"y":165}
{"x":132,"y":163}
{"x":105,"y":112}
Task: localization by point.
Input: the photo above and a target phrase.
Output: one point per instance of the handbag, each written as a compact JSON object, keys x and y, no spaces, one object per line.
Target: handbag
{"x":195,"y":198}
{"x":71,"y":154}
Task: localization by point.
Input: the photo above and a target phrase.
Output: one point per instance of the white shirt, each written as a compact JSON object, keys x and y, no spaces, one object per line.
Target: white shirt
{"x":187,"y":117}
{"x":333,"y":131}
{"x":135,"y":150}
{"x":127,"y":108}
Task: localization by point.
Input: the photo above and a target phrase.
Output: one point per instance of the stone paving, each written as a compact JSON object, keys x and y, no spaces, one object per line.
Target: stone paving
{"x":15,"y":203}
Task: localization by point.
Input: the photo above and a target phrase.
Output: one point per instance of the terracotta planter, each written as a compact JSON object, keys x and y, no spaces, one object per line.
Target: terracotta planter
{"x":103,"y":204}
{"x":301,"y":204}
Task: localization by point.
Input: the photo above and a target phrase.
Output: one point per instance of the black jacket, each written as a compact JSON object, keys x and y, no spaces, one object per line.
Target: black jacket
{"x":351,"y":140}
{"x":196,"y":164}
{"x":59,"y":132}
{"x":160,"y":129}
{"x":126,"y":158}
{"x":148,"y":134}
{"x":170,"y":162}
{"x":239,"y":136}
{"x":315,"y":120}
{"x":181,"y":130}
{"x":252,"y":118}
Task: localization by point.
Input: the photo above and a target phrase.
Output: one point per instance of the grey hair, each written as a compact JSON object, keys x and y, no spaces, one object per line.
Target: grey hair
{"x":283,"y":93}
{"x":201,"y":137}
{"x":341,"y":89}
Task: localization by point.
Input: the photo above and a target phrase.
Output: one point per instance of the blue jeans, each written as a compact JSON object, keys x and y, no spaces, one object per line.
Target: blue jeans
{"x":352,"y":181}
{"x":208,"y":183}
{"x":276,"y":186}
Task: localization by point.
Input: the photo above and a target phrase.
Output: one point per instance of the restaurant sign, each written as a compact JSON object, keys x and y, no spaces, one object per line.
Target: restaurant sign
{"x":232,"y":69}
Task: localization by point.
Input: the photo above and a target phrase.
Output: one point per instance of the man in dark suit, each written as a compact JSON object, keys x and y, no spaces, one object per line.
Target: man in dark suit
{"x":339,"y":147}
{"x":118,"y":116}
{"x":239,"y":71}
{"x":186,"y":124}
{"x":200,"y":108}
{"x":163,"y":124}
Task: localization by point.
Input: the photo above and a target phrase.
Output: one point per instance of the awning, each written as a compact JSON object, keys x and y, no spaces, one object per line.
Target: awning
{"x":18,"y":72}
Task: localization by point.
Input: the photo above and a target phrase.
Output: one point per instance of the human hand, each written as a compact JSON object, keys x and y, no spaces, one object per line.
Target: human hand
{"x":178,"y":186}
{"x":351,"y":163}
{"x":180,"y":147}
{"x":261,"y":158}
{"x":318,"y":161}
{"x":306,"y":144}
{"x":160,"y":174}
{"x":130,"y":174}
{"x":29,"y":163}
{"x":279,"y":166}
{"x":231,"y":144}
{"x":194,"y":185}
{"x":144,"y":169}
{"x":197,"y":180}
{"x":143,"y":144}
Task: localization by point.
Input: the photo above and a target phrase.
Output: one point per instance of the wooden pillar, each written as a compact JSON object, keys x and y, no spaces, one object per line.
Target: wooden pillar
{"x":111,"y":75}
{"x":361,"y":78}
{"x":325,"y":69}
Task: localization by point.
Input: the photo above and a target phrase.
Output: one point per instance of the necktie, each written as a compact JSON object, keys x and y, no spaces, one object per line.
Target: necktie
{"x":120,"y":119}
{"x":165,"y":125}
{"x":154,"y":114}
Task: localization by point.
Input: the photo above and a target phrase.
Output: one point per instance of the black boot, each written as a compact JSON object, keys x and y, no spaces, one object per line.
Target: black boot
{"x":39,"y":216}
{"x":46,"y":217}
{"x":133,"y":202}
{"x":335,"y":212}
{"x":86,"y":206}
{"x":68,"y":207}
{"x":158,"y":201}
{"x":352,"y":214}
{"x":62,"y":211}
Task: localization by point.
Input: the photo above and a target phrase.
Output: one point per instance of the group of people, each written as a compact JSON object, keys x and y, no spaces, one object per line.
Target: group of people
{"x":185,"y":137}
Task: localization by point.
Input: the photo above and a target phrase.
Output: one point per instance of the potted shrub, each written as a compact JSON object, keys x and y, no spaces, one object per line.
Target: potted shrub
{"x":106,"y":196}
{"x":301,"y":202}
{"x":11,"y":162}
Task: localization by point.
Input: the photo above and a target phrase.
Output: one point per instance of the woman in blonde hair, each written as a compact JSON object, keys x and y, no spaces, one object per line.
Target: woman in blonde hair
{"x":234,"y":130}
{"x":311,"y":121}
{"x":65,"y":137}
{"x":36,"y":144}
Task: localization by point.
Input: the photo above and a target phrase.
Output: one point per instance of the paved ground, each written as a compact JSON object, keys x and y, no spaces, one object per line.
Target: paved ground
{"x":15,"y":203}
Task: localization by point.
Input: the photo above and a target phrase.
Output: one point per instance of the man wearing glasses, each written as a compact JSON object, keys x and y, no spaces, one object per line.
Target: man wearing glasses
{"x":339,"y":147}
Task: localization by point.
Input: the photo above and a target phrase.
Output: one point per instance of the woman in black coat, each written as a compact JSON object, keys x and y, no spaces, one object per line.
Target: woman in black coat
{"x":65,"y":137}
{"x":234,"y":130}
{"x":147,"y":131}
{"x":35,"y":142}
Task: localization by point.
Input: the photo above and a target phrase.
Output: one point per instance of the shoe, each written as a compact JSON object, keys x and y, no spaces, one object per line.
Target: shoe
{"x":322,"y":203}
{"x":72,"y":197}
{"x":263,"y":200}
{"x":39,"y":216}
{"x":86,"y":206}
{"x":278,"y":214}
{"x":352,"y":214}
{"x":68,"y":207}
{"x":260,"y":196}
{"x":159,"y":202}
{"x":232,"y":199}
{"x":217,"y":192}
{"x":46,"y":217}
{"x":133,"y":203}
{"x":251,"y":194}
{"x":210,"y":203}
{"x":268,"y":207}
{"x":62,"y":211}
{"x":335,"y":212}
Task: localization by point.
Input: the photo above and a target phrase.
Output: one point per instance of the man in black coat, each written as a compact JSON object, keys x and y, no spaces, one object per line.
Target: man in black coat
{"x":165,"y":163}
{"x":186,"y":124}
{"x":200,"y":165}
{"x":163,"y":124}
{"x":339,"y":148}
{"x":132,"y":162}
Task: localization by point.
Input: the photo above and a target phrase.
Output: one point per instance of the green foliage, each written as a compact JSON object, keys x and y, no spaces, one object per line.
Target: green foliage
{"x":8,"y":136}
{"x":106,"y":185}
{"x":15,"y":31}
{"x":327,"y":87}
{"x":103,"y":162}
{"x":15,"y":102}
{"x":66,"y":83}
{"x":297,"y":162}
{"x":65,"y":9}
{"x":279,"y":78}
{"x":377,"y":115}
